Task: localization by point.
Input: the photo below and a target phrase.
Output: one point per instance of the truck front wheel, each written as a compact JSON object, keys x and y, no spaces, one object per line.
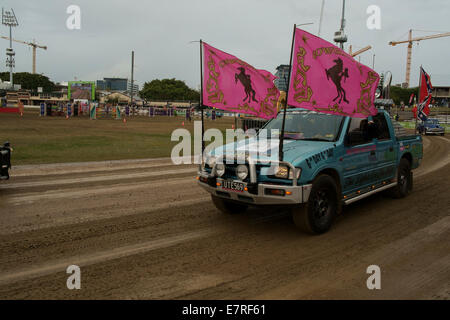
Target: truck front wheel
{"x":227,"y":206}
{"x":318,"y":214}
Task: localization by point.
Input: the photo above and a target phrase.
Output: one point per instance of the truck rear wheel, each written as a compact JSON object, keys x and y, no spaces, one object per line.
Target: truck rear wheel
{"x":227,"y":206}
{"x":404,"y":179}
{"x":318,"y":214}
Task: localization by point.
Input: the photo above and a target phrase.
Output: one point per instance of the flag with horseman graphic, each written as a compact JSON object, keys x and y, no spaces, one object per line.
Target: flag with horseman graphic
{"x":231,"y":84}
{"x":325,"y":78}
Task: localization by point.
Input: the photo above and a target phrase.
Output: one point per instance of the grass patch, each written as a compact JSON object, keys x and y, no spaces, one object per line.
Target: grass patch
{"x":55,"y":139}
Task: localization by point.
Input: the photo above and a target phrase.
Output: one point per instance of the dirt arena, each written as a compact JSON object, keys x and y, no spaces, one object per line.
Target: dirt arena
{"x":143,"y":229}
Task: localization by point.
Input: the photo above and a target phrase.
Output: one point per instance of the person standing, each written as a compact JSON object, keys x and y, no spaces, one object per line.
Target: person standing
{"x":21,"y":107}
{"x":49,"y":109}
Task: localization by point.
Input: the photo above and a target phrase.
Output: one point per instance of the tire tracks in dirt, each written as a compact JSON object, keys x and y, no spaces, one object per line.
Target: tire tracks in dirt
{"x":133,"y":249}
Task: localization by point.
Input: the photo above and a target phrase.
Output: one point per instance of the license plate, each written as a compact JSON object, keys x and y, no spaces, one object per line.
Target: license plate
{"x":233,"y":185}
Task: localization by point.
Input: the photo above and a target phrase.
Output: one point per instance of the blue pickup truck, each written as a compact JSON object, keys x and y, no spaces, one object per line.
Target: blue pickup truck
{"x":431,"y":126}
{"x":329,"y":161}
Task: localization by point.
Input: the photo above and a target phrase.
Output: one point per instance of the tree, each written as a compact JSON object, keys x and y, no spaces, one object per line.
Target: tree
{"x":168,"y":90}
{"x":399,"y":94}
{"x":30,"y":81}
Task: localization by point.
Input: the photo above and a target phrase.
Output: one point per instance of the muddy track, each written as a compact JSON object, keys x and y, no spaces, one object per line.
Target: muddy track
{"x":144,"y":229}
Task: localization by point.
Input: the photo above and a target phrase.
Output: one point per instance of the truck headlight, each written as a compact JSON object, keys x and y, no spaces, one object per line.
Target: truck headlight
{"x":242,"y":171}
{"x":284,"y":172}
{"x":220,"y":169}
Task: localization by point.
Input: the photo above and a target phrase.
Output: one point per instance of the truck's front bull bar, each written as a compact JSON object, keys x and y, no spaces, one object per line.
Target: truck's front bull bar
{"x":264,"y":193}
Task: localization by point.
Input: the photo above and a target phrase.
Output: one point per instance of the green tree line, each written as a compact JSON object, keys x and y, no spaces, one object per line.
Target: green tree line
{"x":30,"y":81}
{"x":399,"y":94}
{"x":168,"y":90}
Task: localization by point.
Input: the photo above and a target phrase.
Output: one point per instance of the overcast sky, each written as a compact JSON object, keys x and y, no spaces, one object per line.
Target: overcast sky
{"x":257,"y":31}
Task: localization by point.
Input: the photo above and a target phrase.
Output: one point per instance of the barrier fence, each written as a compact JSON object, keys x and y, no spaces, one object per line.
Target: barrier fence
{"x":97,"y":111}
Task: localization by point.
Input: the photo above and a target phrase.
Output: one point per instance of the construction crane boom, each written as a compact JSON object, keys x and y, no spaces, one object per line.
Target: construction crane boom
{"x":440,"y":35}
{"x":354,"y":54}
{"x":409,"y":53}
{"x":31,"y":44}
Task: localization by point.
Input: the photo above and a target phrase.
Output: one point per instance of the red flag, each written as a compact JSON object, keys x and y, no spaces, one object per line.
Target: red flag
{"x":425,"y":91}
{"x":326,"y":79}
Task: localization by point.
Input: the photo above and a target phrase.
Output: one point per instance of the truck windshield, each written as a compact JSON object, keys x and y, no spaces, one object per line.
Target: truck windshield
{"x":307,"y":125}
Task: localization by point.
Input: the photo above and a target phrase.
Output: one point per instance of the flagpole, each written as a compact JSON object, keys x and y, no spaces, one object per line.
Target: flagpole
{"x":201,"y":94}
{"x":280,"y":147}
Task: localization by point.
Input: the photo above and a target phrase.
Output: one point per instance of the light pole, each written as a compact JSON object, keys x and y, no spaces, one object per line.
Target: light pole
{"x":321,"y":17}
{"x":340,"y":36}
{"x":132,"y":79}
{"x":9,"y":19}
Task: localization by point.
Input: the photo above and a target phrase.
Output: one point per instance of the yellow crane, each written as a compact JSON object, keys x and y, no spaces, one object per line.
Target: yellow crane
{"x":410,"y":42}
{"x":33,"y":44}
{"x":354,"y":54}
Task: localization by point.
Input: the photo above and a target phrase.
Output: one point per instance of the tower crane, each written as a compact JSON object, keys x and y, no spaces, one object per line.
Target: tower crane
{"x":354,"y":54}
{"x":33,"y":44}
{"x":410,"y":42}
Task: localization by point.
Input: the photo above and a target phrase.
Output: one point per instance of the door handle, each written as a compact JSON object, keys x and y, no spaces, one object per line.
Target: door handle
{"x":391,"y":149}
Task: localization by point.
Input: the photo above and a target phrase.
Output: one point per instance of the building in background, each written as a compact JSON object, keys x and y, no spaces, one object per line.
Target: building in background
{"x":117,"y":85}
{"x":282,"y":73}
{"x":441,"y":90}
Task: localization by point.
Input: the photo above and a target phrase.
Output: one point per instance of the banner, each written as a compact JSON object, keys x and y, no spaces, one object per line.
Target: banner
{"x":326,"y":79}
{"x":411,"y":98}
{"x":233,"y":85}
{"x":425,"y":92}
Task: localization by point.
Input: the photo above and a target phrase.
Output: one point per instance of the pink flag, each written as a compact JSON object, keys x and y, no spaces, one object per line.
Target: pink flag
{"x":233,"y":85}
{"x":326,"y":79}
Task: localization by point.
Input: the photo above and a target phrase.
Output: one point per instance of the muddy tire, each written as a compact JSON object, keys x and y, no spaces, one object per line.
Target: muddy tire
{"x":404,"y":180}
{"x":227,"y":206}
{"x":318,"y":214}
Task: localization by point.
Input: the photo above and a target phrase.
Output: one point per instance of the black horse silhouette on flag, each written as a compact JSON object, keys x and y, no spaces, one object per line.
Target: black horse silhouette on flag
{"x":336,"y":73}
{"x":247,"y":83}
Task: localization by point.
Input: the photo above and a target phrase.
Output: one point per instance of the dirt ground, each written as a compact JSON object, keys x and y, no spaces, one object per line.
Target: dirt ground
{"x":144,"y":230}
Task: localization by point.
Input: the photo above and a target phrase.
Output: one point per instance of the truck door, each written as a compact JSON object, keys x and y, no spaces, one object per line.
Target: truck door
{"x":359,"y":162}
{"x":386,"y":155}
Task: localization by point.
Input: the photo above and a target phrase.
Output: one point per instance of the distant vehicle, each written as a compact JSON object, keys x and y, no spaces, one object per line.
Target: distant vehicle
{"x":5,"y":161}
{"x":329,"y":161}
{"x":431,"y":126}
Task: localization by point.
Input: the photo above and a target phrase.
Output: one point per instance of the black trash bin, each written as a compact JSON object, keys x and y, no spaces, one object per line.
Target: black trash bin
{"x":49,"y":109}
